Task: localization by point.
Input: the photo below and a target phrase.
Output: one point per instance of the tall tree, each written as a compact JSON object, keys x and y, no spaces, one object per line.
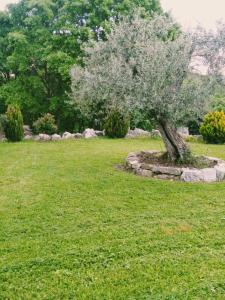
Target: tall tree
{"x":144,"y":65}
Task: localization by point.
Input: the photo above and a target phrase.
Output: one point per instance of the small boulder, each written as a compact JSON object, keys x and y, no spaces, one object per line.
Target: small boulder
{"x":167,"y":170}
{"x":99,"y":132}
{"x":4,"y":139}
{"x":56,"y":137}
{"x":209,"y":175}
{"x":192,"y":175}
{"x":155,"y":133}
{"x":183,"y":131}
{"x":67,"y":135}
{"x":44,"y":137}
{"x":220,"y":172}
{"x":28,"y":137}
{"x":89,"y":133}
{"x":137,"y":132}
{"x":78,"y":135}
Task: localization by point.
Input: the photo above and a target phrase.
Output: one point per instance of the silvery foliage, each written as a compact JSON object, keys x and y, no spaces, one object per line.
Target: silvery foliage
{"x":210,"y":47}
{"x":142,"y":66}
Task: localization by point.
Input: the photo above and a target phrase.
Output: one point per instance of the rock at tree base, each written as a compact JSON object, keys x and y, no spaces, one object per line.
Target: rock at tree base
{"x":145,"y":163}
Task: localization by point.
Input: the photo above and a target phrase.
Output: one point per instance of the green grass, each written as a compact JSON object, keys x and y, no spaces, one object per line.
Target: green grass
{"x":74,"y":227}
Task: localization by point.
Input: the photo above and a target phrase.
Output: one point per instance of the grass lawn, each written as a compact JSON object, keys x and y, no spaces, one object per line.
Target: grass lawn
{"x":73,"y":227}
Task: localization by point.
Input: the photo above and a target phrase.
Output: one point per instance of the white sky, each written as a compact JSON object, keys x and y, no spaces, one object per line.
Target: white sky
{"x":187,"y":12}
{"x":190,"y":13}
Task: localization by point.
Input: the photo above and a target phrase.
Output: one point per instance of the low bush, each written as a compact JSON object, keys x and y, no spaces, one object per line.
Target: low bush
{"x":116,"y":124}
{"x":45,"y":124}
{"x":3,"y":123}
{"x":213,"y":128}
{"x":14,"y":124}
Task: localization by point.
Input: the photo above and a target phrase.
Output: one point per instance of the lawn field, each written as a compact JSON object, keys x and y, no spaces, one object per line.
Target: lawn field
{"x":72,"y":226}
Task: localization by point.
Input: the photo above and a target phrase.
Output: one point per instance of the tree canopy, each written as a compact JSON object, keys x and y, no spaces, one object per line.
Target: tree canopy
{"x":39,"y":42}
{"x":143,"y":65}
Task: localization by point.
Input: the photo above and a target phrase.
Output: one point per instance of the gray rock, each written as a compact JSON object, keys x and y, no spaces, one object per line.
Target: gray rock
{"x":89,"y":133}
{"x":145,"y":166}
{"x":209,"y":175}
{"x":166,"y":177}
{"x":44,"y":137}
{"x":166,"y":170}
{"x":56,"y":137}
{"x":183,"y":131}
{"x":137,"y":132}
{"x":145,"y":173}
{"x":155,"y":133}
{"x":191,"y":175}
{"x":78,"y":135}
{"x":99,"y":133}
{"x":220,"y":172}
{"x":67,"y":135}
{"x":28,"y":137}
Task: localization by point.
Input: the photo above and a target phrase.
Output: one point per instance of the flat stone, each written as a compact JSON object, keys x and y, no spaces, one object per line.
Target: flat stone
{"x":166,"y":176}
{"x":220,"y":172}
{"x":145,"y":166}
{"x":192,"y":175}
{"x":144,"y":173}
{"x":209,"y":175}
{"x":166,"y":170}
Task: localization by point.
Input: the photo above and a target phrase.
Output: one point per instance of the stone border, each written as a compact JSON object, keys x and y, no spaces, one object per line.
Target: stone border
{"x":213,"y":174}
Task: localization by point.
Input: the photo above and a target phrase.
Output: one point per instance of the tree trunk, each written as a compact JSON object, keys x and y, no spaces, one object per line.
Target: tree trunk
{"x":175,"y":145}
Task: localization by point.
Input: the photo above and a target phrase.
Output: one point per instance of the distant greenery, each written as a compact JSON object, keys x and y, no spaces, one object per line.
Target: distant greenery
{"x":41,"y":40}
{"x":75,"y":227}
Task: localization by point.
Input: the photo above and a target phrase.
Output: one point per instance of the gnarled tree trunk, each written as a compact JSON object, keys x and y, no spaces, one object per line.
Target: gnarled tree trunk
{"x":175,"y":145}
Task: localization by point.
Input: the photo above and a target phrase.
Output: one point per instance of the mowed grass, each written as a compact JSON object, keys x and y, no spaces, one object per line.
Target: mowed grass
{"x":74,"y":227}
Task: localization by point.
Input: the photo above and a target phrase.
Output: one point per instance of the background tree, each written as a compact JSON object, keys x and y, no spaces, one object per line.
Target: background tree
{"x":39,"y":42}
{"x":144,"y":65}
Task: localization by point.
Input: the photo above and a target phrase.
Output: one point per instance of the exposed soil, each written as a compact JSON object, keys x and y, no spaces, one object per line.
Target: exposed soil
{"x":161,"y":158}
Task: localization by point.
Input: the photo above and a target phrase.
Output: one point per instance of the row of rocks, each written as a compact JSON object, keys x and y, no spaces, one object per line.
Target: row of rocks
{"x":212,"y":174}
{"x":137,"y":132}
{"x":88,"y":133}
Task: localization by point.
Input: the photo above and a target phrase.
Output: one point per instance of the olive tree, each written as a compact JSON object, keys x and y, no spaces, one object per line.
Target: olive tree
{"x":144,"y":64}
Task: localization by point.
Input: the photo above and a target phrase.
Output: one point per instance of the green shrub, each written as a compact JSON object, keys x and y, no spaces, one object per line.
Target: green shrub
{"x":45,"y":124}
{"x":213,"y":128}
{"x":3,"y":123}
{"x":14,"y":124}
{"x":116,"y":124}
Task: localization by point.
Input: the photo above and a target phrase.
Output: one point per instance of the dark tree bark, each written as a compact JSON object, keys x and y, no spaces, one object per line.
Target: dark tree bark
{"x":175,"y":145}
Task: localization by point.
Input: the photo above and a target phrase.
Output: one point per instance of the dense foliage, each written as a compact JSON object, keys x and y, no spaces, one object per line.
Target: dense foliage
{"x":3,"y":123}
{"x":213,"y":127}
{"x":41,"y":40}
{"x":14,"y":126}
{"x":116,"y":124}
{"x":45,"y":124}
